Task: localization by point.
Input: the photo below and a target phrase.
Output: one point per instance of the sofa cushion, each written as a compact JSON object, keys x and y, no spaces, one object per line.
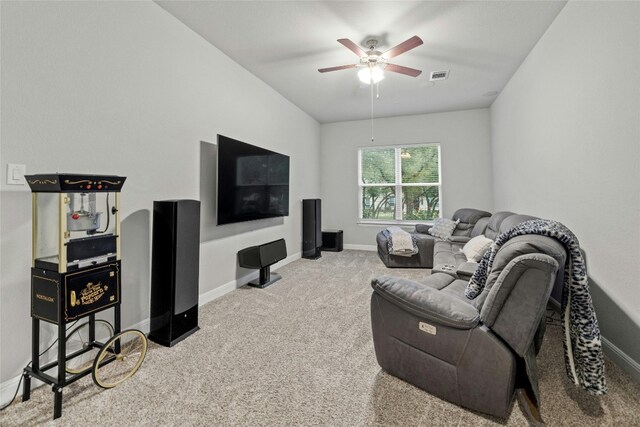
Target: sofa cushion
{"x":447,"y":246}
{"x":454,"y":258}
{"x":457,"y":288}
{"x":493,"y":227}
{"x":468,"y":218}
{"x":443,"y":228}
{"x":460,"y":239}
{"x":439,"y":281}
{"x":480,"y":227}
{"x":466,"y":270}
{"x":514,"y":220}
{"x":520,"y":245}
{"x":476,"y":247}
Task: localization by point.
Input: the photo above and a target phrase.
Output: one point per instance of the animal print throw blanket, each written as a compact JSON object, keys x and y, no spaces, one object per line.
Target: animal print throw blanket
{"x":399,"y":242}
{"x":583,"y":356}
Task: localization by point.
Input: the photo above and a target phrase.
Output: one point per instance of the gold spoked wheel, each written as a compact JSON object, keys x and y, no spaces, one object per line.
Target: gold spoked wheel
{"x":120,"y":358}
{"x":79,"y":339}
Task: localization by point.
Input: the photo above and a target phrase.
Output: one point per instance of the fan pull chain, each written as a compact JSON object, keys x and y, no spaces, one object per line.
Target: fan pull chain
{"x":371,"y":108}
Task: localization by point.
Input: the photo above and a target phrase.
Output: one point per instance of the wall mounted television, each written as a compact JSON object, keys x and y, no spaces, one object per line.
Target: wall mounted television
{"x":253,"y":183}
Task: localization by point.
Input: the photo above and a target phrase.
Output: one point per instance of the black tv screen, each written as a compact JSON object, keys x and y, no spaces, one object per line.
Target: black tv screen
{"x":253,"y":183}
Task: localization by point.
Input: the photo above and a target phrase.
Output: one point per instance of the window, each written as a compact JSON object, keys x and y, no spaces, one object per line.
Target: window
{"x":399,"y":183}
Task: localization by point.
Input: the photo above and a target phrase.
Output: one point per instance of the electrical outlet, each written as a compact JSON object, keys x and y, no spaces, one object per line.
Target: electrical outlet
{"x":15,"y":174}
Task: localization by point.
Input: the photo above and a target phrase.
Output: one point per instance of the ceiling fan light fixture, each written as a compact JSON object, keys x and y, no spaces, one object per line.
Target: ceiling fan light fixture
{"x":370,"y":75}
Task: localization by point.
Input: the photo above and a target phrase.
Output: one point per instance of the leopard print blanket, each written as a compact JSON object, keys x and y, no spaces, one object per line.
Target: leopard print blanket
{"x":583,"y":356}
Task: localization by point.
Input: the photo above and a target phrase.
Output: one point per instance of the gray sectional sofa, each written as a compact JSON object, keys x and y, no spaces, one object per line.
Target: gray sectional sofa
{"x":474,"y":353}
{"x":445,"y":256}
{"x":472,"y":223}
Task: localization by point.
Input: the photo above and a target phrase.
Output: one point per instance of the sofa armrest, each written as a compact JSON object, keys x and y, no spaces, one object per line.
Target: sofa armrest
{"x":449,"y":269}
{"x":423,"y":228}
{"x":427,"y":302}
{"x":466,"y":270}
{"x":459,"y":239}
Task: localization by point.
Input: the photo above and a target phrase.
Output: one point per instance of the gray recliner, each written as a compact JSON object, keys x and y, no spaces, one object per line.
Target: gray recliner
{"x":470,"y":352}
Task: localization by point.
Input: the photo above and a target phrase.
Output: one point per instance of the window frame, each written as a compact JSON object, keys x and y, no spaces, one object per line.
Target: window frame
{"x":397,"y":184}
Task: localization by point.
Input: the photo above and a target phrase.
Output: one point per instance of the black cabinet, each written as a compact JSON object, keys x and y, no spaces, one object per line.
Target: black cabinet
{"x":332,"y":240}
{"x":175,"y":270}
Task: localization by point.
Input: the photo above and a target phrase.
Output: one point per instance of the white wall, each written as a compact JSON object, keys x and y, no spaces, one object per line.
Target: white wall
{"x":464,"y":138}
{"x":125,"y":88}
{"x":566,"y":146}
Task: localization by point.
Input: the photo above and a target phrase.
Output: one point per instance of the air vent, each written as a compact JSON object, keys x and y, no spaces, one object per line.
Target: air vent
{"x":439,"y":75}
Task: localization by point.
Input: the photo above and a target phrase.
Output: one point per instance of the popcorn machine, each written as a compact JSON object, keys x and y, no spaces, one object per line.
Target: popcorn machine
{"x":75,"y":274}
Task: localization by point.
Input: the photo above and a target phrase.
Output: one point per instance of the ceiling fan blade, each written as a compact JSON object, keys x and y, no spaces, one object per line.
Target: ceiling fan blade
{"x":403,"y":70}
{"x":352,"y":47}
{"x":340,"y":67}
{"x":406,"y":45}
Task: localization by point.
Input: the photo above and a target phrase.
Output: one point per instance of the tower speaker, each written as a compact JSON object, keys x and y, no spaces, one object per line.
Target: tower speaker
{"x":311,"y":229}
{"x":174,"y":270}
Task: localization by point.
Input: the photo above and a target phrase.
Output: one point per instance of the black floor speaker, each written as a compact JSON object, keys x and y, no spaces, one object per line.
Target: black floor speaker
{"x":311,"y":228}
{"x":174,"y":270}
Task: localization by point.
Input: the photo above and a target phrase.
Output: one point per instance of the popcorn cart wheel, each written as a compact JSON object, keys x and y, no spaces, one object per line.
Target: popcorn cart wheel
{"x":83,"y":344}
{"x":119,"y":358}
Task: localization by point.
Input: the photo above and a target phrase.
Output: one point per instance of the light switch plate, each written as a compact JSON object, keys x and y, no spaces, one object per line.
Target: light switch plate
{"x":15,"y":174}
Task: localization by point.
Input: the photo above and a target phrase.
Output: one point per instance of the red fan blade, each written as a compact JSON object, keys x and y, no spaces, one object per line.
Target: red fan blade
{"x":341,"y":67}
{"x":406,"y":45}
{"x":352,"y":47}
{"x":403,"y":70}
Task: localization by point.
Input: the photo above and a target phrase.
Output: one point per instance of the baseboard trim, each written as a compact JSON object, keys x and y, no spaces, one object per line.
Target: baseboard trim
{"x":216,"y":293}
{"x":9,"y":387}
{"x":372,"y":248}
{"x":621,"y":359}
{"x":143,"y":325}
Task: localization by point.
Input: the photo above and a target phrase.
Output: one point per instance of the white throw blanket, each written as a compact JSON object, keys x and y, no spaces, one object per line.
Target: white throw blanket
{"x":400,"y":242}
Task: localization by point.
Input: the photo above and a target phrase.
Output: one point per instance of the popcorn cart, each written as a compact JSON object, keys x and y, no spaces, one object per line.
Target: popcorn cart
{"x":75,"y":274}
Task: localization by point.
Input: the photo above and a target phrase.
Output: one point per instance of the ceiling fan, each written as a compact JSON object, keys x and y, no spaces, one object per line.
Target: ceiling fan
{"x":373,"y":62}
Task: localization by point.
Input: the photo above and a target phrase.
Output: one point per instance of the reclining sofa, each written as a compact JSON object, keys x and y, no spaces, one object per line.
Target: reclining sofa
{"x":472,"y":223}
{"x":445,"y":256}
{"x":474,"y":353}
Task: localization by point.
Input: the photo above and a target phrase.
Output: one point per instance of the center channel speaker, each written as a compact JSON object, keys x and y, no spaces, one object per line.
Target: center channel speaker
{"x":174,"y":270}
{"x":263,"y":257}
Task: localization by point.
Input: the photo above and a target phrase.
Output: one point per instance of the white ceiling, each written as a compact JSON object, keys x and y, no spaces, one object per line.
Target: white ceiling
{"x":283,"y":43}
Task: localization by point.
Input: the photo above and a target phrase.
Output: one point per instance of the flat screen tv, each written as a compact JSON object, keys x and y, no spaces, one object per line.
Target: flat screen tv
{"x":253,"y":183}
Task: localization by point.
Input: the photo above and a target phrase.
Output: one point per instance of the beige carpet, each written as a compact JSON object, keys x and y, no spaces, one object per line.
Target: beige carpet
{"x":300,"y":353}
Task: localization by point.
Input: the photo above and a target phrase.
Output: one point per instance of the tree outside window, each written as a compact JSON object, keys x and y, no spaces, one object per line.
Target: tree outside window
{"x":400,"y":183}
